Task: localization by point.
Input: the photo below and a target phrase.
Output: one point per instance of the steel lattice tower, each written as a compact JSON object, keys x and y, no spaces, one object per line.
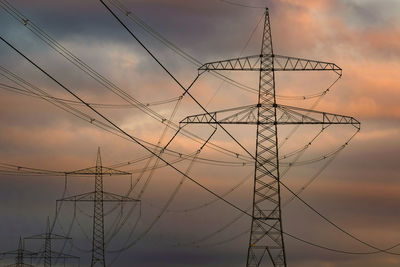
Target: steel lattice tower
{"x":266,"y":244}
{"x":48,"y":254}
{"x":20,"y":254}
{"x":98,"y":197}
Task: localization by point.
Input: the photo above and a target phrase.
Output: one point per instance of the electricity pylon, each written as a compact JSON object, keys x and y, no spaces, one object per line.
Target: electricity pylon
{"x":266,"y":236}
{"x":20,"y":254}
{"x":48,"y":254}
{"x":98,"y":197}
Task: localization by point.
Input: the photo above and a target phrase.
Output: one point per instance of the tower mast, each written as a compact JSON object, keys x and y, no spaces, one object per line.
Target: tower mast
{"x":266,"y":197}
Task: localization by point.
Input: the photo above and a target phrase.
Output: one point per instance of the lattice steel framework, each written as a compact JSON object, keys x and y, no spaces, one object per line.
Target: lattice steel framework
{"x":266,"y":244}
{"x":20,"y":254}
{"x":48,"y":254}
{"x":98,"y":197}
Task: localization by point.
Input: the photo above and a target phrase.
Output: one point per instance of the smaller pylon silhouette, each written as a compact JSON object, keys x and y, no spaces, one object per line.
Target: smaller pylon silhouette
{"x":98,"y":197}
{"x":20,"y":254}
{"x":48,"y":254}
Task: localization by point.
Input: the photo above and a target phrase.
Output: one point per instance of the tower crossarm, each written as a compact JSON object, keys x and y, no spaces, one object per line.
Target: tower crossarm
{"x":285,"y":115}
{"x":59,"y":255}
{"x":280,"y":63}
{"x":285,"y":63}
{"x":238,"y":115}
{"x":26,"y":253}
{"x":19,"y":265}
{"x":117,"y":198}
{"x":55,"y":255}
{"x":49,"y":235}
{"x":296,"y":115}
{"x":241,"y":63}
{"x":107,"y":197}
{"x":94,"y":171}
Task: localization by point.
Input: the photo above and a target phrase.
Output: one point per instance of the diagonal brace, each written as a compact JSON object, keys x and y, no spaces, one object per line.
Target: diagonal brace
{"x":281,"y":63}
{"x":107,"y":197}
{"x":285,"y":115}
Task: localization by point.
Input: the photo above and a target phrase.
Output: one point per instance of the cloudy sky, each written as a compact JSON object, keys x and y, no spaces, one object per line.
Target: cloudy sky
{"x":178,"y":223}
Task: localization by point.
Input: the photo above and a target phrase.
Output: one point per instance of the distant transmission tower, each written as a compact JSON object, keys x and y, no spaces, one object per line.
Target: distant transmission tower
{"x":48,"y":254}
{"x":98,"y":197}
{"x":20,"y":254}
{"x":266,"y":245}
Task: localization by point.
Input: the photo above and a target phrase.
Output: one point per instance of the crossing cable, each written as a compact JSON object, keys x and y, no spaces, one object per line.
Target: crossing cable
{"x":241,"y":182}
{"x":43,"y":94}
{"x":147,"y":181}
{"x":83,"y":231}
{"x":12,"y":11}
{"x":135,"y":19}
{"x":120,"y":224}
{"x":186,"y":91}
{"x":241,"y":5}
{"x":115,"y":223}
{"x":312,"y":107}
{"x":377,"y":250}
{"x":221,"y":242}
{"x":324,"y":157}
{"x":12,"y":169}
{"x":164,"y":208}
{"x":138,"y":21}
{"x":173,"y":77}
{"x":98,"y":77}
{"x":73,"y":102}
{"x":237,"y":142}
{"x":149,"y":150}
{"x":219,"y":230}
{"x":66,"y":107}
{"x":297,"y":152}
{"x":285,"y":203}
{"x":185,"y":210}
{"x":240,"y":54}
{"x":208,"y":236}
{"x":225,"y":226}
{"x":68,"y":233}
{"x":58,"y":209}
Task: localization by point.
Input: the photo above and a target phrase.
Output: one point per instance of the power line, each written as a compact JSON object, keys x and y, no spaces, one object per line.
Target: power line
{"x":241,"y":5}
{"x":173,"y":167}
{"x":92,"y":109}
{"x":101,"y":79}
{"x":99,"y":105}
{"x":216,"y":122}
{"x":152,"y":32}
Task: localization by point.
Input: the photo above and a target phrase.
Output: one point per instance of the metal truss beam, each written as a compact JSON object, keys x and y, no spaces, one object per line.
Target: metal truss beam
{"x":280,"y":63}
{"x":91,"y":196}
{"x":285,"y":115}
{"x":93,"y":171}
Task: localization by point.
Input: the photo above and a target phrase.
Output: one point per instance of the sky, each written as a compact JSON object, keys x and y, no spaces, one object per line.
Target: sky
{"x":178,"y":223}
